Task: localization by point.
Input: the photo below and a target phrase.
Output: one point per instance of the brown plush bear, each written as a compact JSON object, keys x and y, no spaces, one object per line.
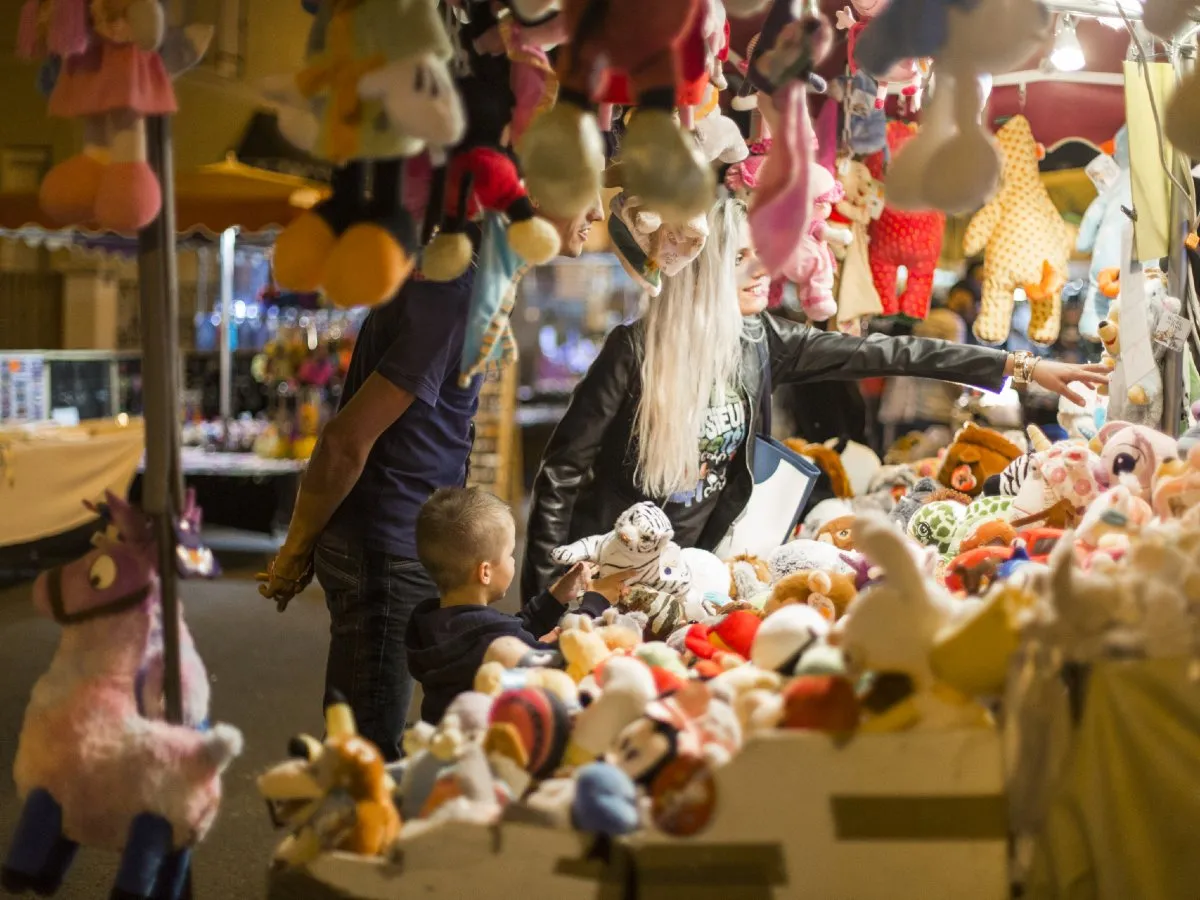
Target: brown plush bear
{"x":828,"y":461}
{"x":976,"y":455}
{"x":839,"y":532}
{"x":829,"y":593}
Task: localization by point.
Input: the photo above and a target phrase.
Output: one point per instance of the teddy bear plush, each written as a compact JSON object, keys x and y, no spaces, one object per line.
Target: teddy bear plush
{"x":1027,"y":243}
{"x":899,"y":238}
{"x":857,"y":295}
{"x":829,"y":593}
{"x":839,"y":532}
{"x":975,"y":456}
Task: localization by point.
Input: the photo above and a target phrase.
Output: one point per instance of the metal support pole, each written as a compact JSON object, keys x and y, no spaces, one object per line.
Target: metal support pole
{"x":228,"y":239}
{"x":162,"y":492}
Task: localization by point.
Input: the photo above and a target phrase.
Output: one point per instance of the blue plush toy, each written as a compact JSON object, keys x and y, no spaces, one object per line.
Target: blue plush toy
{"x":868,"y":125}
{"x":1100,"y":234}
{"x":605,"y":801}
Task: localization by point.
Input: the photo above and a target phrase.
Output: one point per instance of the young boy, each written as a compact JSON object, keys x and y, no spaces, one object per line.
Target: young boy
{"x":465,"y":541}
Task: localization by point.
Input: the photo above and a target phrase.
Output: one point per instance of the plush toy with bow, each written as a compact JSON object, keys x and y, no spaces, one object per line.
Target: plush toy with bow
{"x":377,"y":83}
{"x":1028,"y":244}
{"x":1100,"y":232}
{"x":562,"y":151}
{"x":111,"y":77}
{"x":954,"y":165}
{"x":900,"y":238}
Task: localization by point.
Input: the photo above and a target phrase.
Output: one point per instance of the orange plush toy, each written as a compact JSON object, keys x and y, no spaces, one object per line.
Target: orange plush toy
{"x":562,"y":151}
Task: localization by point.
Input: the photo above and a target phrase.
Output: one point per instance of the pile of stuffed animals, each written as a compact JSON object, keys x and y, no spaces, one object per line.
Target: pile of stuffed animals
{"x":905,"y":614}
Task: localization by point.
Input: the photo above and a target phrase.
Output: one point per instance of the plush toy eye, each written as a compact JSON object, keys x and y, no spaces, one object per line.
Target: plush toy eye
{"x":102,"y":573}
{"x":1124,"y":462}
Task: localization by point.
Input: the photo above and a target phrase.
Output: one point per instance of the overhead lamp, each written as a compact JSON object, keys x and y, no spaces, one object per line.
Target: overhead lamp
{"x":1067,"y":55}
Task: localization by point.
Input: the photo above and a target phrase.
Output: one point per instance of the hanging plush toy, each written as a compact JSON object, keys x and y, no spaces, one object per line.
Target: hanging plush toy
{"x":815,"y":275}
{"x":863,"y":201}
{"x":562,"y":151}
{"x":954,"y":165}
{"x":379,"y":87}
{"x":909,"y":239}
{"x":1100,"y":230}
{"x":96,"y":766}
{"x":788,"y":48}
{"x":906,"y":75}
{"x":111,"y":77}
{"x":482,"y":176}
{"x":1028,"y":244}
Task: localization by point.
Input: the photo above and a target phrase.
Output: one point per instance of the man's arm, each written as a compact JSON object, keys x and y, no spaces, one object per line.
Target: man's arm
{"x":338,"y":460}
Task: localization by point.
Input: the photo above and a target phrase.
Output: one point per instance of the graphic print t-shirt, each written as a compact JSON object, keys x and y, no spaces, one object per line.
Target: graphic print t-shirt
{"x":722,"y":436}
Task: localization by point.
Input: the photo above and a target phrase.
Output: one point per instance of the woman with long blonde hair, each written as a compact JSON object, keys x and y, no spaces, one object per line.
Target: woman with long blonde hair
{"x":669,"y":410}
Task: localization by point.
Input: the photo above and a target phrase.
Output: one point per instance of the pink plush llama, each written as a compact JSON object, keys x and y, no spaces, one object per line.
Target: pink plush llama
{"x":95,"y":764}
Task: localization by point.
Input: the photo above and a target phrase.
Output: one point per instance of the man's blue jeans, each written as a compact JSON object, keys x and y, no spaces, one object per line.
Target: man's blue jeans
{"x":370,"y":596}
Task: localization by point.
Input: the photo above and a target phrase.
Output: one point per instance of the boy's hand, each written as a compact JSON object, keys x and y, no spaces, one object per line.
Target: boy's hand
{"x":573,"y":585}
{"x":613,"y":587}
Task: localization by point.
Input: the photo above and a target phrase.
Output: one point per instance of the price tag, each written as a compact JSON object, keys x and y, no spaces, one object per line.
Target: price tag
{"x":1171,"y":331}
{"x":875,"y":204}
{"x":1103,"y":171}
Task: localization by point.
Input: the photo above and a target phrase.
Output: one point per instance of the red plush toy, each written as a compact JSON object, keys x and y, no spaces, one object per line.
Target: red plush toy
{"x":733,"y":634}
{"x":482,"y":176}
{"x":909,"y":239}
{"x":562,"y":151}
{"x":820,"y":703}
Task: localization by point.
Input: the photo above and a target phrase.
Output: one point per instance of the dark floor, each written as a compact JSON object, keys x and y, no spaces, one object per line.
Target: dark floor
{"x":267,"y":671}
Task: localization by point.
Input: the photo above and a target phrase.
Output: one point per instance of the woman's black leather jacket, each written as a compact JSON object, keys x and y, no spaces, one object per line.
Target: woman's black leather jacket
{"x":586,"y":478}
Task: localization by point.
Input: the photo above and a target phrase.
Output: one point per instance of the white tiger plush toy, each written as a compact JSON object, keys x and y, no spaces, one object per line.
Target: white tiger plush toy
{"x":640,"y":542}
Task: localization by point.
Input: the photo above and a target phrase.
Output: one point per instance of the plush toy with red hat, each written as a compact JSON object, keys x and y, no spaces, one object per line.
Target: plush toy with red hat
{"x":482,"y":176}
{"x":562,"y":151}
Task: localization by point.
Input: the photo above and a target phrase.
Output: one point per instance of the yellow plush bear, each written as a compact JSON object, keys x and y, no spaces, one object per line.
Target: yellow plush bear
{"x":1028,"y":243}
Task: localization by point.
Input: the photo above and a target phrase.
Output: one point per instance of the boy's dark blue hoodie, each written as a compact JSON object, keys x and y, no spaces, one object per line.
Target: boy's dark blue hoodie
{"x":445,"y":646}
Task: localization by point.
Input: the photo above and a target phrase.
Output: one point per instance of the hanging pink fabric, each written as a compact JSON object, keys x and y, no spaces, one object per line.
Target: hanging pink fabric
{"x":781,"y":207}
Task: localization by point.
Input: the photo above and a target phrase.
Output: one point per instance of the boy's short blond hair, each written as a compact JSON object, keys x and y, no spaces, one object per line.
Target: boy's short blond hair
{"x":459,"y":528}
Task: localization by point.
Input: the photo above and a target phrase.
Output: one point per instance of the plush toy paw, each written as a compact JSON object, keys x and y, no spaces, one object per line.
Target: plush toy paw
{"x":366,"y":267}
{"x":535,"y":239}
{"x":129,"y":197}
{"x":302,"y":252}
{"x":819,"y":308}
{"x":68,"y":192}
{"x":1109,"y":282}
{"x":1138,"y":395}
{"x":963,"y":173}
{"x":663,"y":167}
{"x":447,"y":257}
{"x":562,"y":154}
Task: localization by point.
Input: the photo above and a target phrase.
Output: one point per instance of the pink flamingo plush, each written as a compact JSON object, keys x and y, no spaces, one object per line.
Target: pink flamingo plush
{"x":95,"y":764}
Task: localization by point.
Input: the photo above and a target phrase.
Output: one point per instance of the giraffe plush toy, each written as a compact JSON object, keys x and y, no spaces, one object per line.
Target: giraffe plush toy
{"x":1028,"y":243}
{"x":909,"y":239}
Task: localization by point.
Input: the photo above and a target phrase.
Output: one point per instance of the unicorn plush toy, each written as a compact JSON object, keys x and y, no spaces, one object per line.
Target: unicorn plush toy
{"x":95,"y":764}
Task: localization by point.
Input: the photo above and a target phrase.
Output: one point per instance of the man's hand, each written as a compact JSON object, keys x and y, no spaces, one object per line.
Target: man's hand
{"x":574,"y":584}
{"x":287,"y":575}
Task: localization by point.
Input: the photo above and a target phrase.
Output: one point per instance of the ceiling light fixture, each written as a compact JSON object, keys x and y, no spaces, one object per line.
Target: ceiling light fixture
{"x":1067,"y":55}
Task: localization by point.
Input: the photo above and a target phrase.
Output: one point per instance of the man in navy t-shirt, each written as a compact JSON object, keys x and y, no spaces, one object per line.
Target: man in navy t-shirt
{"x":403,"y":430}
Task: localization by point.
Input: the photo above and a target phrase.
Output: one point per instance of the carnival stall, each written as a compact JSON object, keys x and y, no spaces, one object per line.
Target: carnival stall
{"x":968,"y":669}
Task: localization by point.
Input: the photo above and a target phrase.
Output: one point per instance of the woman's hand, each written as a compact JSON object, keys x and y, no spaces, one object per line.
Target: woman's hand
{"x":287,"y":575}
{"x":1058,"y":376}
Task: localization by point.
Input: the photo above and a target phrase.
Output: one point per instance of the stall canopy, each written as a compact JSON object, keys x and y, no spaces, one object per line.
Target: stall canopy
{"x":209,"y":201}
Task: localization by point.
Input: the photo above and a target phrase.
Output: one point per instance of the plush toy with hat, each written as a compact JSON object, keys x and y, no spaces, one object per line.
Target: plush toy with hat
{"x":111,"y":77}
{"x":562,"y":151}
{"x":1028,"y":244}
{"x":377,"y":79}
{"x":901,"y":238}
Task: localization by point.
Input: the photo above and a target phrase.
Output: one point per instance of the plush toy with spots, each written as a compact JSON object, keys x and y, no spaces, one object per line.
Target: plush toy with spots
{"x":909,"y":239}
{"x":1027,"y":243}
